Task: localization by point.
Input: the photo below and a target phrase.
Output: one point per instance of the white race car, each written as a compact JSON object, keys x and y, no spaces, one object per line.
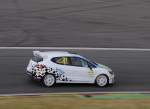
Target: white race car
{"x":64,"y":67}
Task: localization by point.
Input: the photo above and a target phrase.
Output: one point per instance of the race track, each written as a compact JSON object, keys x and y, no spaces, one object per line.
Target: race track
{"x":84,"y":23}
{"x":131,"y":69}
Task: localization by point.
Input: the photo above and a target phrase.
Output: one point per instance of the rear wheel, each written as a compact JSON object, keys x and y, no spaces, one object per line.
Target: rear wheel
{"x":49,"y":80}
{"x":101,"y":80}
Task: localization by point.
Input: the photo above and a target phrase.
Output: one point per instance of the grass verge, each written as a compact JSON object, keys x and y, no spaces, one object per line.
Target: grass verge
{"x":76,"y":101}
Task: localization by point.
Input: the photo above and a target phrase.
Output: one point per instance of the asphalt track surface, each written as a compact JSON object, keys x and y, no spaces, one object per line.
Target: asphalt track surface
{"x":131,"y":69}
{"x":83,"y":23}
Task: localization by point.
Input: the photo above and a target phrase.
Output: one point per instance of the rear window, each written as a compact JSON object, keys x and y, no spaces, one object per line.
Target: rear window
{"x":37,"y":59}
{"x":62,"y":60}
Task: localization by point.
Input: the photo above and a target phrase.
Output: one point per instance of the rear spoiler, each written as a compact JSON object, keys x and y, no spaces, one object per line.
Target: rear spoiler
{"x":39,"y":54}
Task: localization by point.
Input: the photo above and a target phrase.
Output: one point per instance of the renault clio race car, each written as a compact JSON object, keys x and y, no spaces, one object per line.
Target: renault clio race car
{"x":65,"y":67}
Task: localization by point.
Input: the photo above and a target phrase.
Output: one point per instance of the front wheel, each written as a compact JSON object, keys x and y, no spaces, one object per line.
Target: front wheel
{"x":49,"y":80}
{"x":101,"y":80}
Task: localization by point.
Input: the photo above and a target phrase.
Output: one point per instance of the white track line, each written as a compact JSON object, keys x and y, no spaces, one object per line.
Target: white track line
{"x":68,"y":93}
{"x":77,"y":48}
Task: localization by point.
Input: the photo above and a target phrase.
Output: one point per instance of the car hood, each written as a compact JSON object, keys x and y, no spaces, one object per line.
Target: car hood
{"x":104,"y":67}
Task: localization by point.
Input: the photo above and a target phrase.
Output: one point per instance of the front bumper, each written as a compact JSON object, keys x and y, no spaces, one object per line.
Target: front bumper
{"x":112,"y":79}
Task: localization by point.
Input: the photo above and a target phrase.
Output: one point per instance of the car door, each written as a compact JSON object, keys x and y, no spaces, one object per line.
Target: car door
{"x":80,"y":71}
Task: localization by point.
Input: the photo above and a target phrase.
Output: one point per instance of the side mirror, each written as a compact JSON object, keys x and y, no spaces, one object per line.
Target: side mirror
{"x":90,"y":67}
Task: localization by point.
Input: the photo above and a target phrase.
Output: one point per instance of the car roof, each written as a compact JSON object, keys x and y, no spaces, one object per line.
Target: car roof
{"x":51,"y":54}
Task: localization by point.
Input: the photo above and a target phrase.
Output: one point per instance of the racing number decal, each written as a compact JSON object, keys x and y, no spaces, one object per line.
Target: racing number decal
{"x":63,"y":60}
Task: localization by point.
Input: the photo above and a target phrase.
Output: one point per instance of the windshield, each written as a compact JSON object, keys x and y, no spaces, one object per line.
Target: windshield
{"x":91,"y":62}
{"x":94,"y":63}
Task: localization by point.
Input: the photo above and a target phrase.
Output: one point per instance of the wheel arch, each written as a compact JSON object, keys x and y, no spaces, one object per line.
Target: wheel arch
{"x":49,"y":74}
{"x":104,"y":75}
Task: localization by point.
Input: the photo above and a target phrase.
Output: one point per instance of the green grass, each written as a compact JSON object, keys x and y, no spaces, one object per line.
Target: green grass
{"x":74,"y":101}
{"x":119,"y":96}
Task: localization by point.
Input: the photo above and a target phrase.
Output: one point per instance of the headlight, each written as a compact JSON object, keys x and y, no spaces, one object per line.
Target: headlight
{"x":111,"y":72}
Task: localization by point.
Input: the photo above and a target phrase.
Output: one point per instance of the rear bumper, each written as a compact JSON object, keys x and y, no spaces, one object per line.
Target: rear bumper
{"x":33,"y":76}
{"x":29,"y":73}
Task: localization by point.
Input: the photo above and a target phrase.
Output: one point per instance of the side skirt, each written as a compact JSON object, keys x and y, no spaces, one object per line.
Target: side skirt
{"x":58,"y":81}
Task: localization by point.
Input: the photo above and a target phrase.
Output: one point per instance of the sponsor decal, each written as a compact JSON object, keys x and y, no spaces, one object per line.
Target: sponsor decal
{"x":59,"y":74}
{"x":91,"y":73}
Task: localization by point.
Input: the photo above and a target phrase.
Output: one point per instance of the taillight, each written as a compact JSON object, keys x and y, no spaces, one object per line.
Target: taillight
{"x":40,"y":70}
{"x":40,"y":66}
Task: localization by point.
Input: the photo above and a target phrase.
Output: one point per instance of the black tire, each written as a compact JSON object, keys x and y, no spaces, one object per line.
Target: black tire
{"x":102,"y":80}
{"x":49,"y":80}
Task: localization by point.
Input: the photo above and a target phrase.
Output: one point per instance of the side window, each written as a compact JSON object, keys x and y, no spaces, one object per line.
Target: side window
{"x":61,"y":60}
{"x":76,"y":61}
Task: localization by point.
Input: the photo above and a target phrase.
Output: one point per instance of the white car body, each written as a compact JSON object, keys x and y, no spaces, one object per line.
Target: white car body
{"x":67,"y":73}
